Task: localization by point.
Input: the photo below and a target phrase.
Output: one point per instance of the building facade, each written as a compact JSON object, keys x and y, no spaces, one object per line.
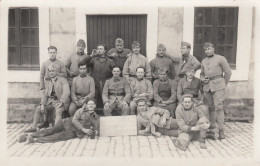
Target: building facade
{"x":29,"y":29}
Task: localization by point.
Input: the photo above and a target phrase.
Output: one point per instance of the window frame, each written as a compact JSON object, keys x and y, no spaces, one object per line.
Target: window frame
{"x":214,"y":32}
{"x":18,"y":27}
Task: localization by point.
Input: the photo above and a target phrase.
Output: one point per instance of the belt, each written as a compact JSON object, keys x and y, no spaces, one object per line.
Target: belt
{"x":131,"y":75}
{"x":215,"y":77}
{"x":181,"y":75}
{"x":117,"y":94}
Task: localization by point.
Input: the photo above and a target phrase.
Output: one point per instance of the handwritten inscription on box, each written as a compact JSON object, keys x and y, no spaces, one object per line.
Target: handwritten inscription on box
{"x":118,"y":125}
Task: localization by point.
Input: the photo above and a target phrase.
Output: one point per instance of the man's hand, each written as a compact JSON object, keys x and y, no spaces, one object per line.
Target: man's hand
{"x":72,"y":74}
{"x":87,"y":131}
{"x":163,"y":122}
{"x":165,"y":102}
{"x":42,"y":108}
{"x":205,"y":80}
{"x":124,"y":103}
{"x":195,"y":128}
{"x":112,"y":55}
{"x":200,"y":103}
{"x":96,"y":132}
{"x":162,"y":105}
{"x":107,"y":104}
{"x":147,"y":129}
{"x":128,"y":55}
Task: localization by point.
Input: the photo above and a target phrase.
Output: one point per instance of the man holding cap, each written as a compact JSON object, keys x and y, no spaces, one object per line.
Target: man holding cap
{"x":214,"y":84}
{"x":73,"y":61}
{"x":186,"y":60}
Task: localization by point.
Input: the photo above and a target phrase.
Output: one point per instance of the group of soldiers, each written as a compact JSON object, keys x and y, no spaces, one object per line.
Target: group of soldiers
{"x":180,"y":105}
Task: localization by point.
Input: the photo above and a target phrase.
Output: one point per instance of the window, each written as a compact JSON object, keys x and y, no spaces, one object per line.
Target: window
{"x":219,"y":26}
{"x":106,"y":28}
{"x":23,"y":39}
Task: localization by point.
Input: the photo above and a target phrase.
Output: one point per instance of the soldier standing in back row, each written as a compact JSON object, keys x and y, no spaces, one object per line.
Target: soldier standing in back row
{"x":73,"y":61}
{"x":186,"y":60}
{"x":213,"y":67}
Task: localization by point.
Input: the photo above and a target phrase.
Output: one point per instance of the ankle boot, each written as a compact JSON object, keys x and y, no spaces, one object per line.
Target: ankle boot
{"x":221,"y":134}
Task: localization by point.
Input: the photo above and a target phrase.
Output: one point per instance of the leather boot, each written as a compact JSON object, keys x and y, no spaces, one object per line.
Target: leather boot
{"x":221,"y":134}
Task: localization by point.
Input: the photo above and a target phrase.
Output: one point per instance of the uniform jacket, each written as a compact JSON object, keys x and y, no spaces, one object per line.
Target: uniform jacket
{"x":83,"y":119}
{"x":190,"y":62}
{"x":116,"y":90}
{"x":120,"y":58}
{"x":73,"y":61}
{"x":82,"y":87}
{"x":101,"y":68}
{"x":162,"y":62}
{"x":188,"y":118}
{"x":61,"y":88}
{"x":141,"y":87}
{"x":135,"y":61}
{"x":45,"y":73}
{"x":212,"y":67}
{"x":157,"y":91}
{"x":186,"y":87}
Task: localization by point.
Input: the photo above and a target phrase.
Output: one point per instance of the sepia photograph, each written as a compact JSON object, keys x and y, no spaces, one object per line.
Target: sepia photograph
{"x":135,"y":81}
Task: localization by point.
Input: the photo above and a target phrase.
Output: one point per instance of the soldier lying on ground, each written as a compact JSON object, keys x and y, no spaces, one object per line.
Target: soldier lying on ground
{"x":77,"y":126}
{"x":155,"y":120}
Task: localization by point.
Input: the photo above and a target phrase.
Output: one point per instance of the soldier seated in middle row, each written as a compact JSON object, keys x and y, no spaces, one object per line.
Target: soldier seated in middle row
{"x":140,"y":88}
{"x":165,"y":90}
{"x":82,"y":89}
{"x":116,"y":93}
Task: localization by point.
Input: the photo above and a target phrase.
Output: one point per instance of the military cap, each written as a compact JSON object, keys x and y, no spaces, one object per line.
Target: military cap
{"x":81,"y":41}
{"x":53,"y":67}
{"x":207,"y":44}
{"x":189,"y":68}
{"x":141,"y":99}
{"x":185,"y":44}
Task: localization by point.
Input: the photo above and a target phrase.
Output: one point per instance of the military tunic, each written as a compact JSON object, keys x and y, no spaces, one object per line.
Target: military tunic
{"x":213,"y":67}
{"x":116,"y":90}
{"x":162,"y":62}
{"x":165,"y":91}
{"x":135,"y":61}
{"x":82,"y":87}
{"x":121,"y":56}
{"x":72,"y":64}
{"x":140,"y":89}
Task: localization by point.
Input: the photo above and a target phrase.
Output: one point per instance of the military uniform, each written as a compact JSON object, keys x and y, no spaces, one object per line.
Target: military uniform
{"x":82,"y":87}
{"x":165,"y":91}
{"x":101,"y":71}
{"x":120,"y":58}
{"x":162,"y":62}
{"x":187,"y":119}
{"x":45,"y":73}
{"x":213,"y":67}
{"x":116,"y":90}
{"x":192,"y":87}
{"x":68,"y":128}
{"x":133,"y":62}
{"x":72,"y":65}
{"x":152,"y":119}
{"x":140,"y":89}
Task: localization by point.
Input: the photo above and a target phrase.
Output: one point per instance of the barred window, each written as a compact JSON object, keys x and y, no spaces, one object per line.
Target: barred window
{"x":23,"y":39}
{"x":219,"y":26}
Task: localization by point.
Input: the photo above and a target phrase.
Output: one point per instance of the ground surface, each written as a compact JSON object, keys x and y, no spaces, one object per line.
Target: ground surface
{"x":238,"y":144}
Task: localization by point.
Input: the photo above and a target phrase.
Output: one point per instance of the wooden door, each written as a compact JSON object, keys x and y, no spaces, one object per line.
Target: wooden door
{"x":106,"y":28}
